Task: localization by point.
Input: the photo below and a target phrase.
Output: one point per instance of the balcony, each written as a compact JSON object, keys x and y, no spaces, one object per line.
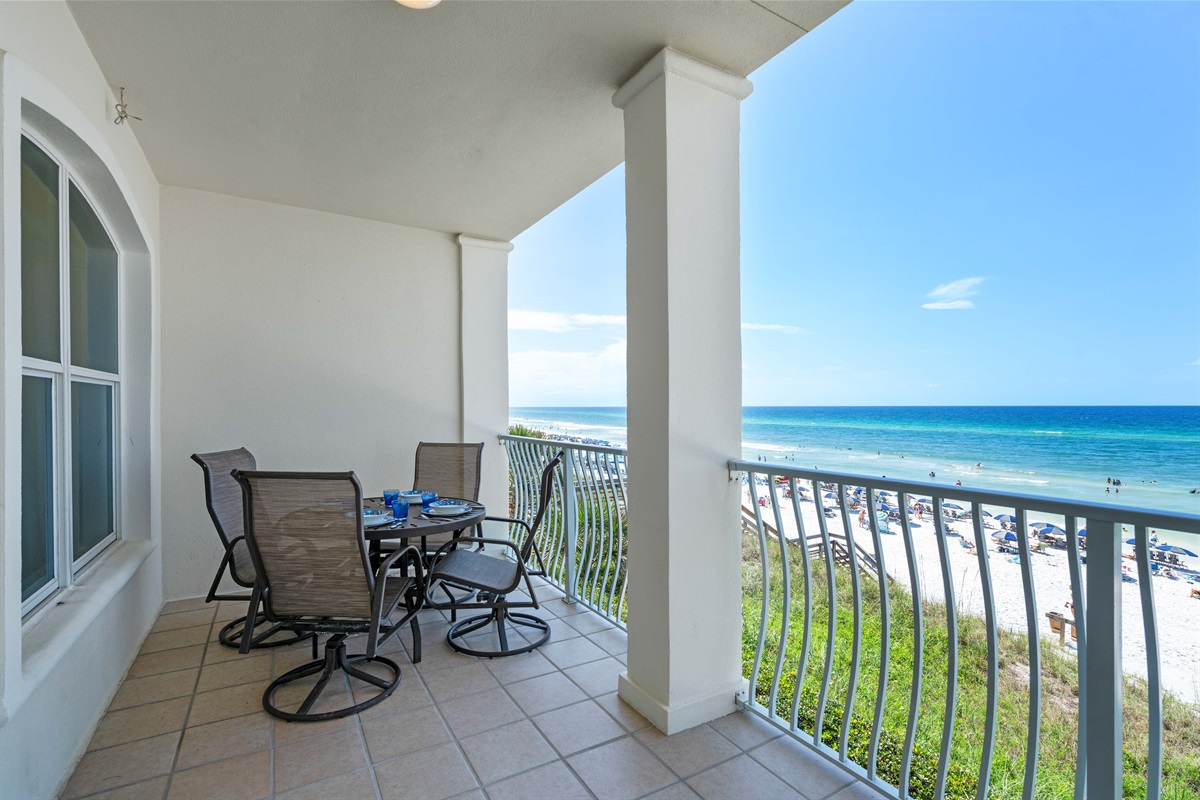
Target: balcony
{"x":188,"y":723}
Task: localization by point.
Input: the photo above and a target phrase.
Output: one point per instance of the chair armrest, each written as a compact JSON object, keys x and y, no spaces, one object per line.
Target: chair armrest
{"x":520,"y":522}
{"x":381,"y":575}
{"x":469,"y":539}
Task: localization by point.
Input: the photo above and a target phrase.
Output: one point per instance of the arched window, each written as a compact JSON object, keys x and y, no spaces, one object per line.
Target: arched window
{"x":71,"y":323}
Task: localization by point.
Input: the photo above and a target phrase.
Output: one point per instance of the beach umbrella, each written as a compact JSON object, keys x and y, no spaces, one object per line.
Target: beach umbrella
{"x":886,"y":508}
{"x":1131,"y":541}
{"x":884,"y":493}
{"x":1046,"y":527}
{"x":1005,"y":517}
{"x":1171,"y":548}
{"x":1006,"y":536}
{"x":1083,"y":533}
{"x":954,"y":506}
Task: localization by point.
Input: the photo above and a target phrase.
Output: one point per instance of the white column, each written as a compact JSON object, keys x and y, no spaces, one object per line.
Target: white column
{"x":684,"y":389}
{"x":485,"y":361}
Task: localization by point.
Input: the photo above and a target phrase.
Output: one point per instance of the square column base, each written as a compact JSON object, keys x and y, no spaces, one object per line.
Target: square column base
{"x":673,"y":719}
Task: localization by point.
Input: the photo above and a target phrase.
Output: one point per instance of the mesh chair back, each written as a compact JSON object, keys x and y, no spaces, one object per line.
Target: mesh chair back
{"x":305,"y":534}
{"x":224,"y":499}
{"x":449,"y":468}
{"x":544,"y":495}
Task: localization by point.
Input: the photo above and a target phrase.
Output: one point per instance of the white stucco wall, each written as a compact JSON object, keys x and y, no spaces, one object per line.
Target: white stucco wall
{"x":60,"y":667}
{"x":317,"y":341}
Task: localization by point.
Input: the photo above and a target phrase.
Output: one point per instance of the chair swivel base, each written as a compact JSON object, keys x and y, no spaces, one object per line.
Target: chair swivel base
{"x":498,"y":616}
{"x":335,"y":659}
{"x":231,"y":635}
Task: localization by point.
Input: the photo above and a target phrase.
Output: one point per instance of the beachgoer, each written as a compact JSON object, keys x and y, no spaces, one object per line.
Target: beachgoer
{"x":1116,"y":490}
{"x":933,"y":474}
{"x":958,"y":483}
{"x":862,"y":518}
{"x":1107,"y":490}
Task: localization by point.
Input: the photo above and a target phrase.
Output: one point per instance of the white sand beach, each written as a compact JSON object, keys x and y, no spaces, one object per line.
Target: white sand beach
{"x":1177,"y":613}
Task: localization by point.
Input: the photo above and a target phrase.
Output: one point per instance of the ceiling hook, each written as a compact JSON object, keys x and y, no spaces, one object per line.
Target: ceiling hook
{"x":123,"y":112}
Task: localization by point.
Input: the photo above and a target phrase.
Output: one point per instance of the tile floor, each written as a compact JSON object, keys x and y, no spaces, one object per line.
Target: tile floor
{"x":188,"y":723}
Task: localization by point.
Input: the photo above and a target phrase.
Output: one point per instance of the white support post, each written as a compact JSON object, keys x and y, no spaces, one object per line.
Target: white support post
{"x":484,"y":343}
{"x":682,"y":120}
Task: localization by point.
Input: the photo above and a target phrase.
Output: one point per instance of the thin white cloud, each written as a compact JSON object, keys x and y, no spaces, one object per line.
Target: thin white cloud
{"x":790,"y":330}
{"x":953,"y":295}
{"x":1195,"y":363}
{"x":556,"y":322}
{"x":547,"y":377}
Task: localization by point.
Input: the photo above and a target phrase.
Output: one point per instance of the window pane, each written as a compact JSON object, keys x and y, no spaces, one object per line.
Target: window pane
{"x":37,"y":484}
{"x":39,"y":253}
{"x":93,"y":289}
{"x":91,"y":465}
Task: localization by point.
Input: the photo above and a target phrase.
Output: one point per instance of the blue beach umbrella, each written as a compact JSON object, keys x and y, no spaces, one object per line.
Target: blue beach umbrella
{"x":1047,"y":527}
{"x":1083,"y":533}
{"x":1006,"y":536}
{"x":1005,"y":517}
{"x":1131,"y":541}
{"x":1171,"y":548}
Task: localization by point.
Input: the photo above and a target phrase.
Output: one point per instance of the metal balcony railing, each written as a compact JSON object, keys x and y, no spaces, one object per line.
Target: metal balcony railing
{"x":843,"y":560}
{"x":584,"y":534}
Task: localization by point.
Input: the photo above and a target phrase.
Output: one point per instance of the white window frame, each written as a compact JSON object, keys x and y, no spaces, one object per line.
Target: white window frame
{"x":63,"y":376}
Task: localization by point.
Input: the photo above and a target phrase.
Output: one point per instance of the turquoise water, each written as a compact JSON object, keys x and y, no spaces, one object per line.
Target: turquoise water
{"x":1056,"y":451}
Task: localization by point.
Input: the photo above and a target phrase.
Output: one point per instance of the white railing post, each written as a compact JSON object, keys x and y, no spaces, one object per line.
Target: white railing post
{"x":571,"y":526}
{"x":1104,"y":669}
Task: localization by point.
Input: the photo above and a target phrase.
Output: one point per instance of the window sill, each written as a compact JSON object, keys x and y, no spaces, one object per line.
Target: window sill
{"x":50,"y":636}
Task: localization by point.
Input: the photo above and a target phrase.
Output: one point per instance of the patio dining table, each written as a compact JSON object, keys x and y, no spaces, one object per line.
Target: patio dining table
{"x":420,"y":524}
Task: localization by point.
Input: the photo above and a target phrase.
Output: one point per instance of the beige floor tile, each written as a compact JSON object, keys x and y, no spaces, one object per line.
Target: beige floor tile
{"x":676,"y":791}
{"x":437,"y":655}
{"x":409,"y":695}
{"x":252,"y":668}
{"x":560,"y":631}
{"x":572,"y":652}
{"x":621,"y":770}
{"x":476,"y":713}
{"x":545,"y":693}
{"x":219,"y":704}
{"x":152,"y":789}
{"x":505,"y":751}
{"x":225,"y":739}
{"x":691,"y":751}
{"x":578,"y":727}
{"x":589,"y":623}
{"x":474,"y":794}
{"x":614,"y":641}
{"x":216,"y":653}
{"x":399,"y":734}
{"x":741,"y":777}
{"x":140,"y":722}
{"x":745,"y":730}
{"x":166,"y":661}
{"x":246,"y":777}
{"x":232,"y":609}
{"x":187,"y":604}
{"x":169,"y":640}
{"x":800,"y":767}
{"x":311,"y":760}
{"x":596,"y":677}
{"x":122,"y":765}
{"x":152,"y":688}
{"x":519,"y":668}
{"x":184,"y":619}
{"x":286,"y":731}
{"x":859,"y":791}
{"x":622,"y":712}
{"x":449,"y":684}
{"x":554,"y":781}
{"x":356,"y":785}
{"x":432,"y":774}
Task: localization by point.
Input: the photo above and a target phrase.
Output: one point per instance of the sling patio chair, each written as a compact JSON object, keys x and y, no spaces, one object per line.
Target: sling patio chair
{"x":451,"y":469}
{"x":494,"y":578}
{"x":305,"y":535}
{"x":223,"y":497}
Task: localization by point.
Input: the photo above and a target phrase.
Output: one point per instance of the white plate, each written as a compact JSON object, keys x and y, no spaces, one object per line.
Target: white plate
{"x":412,"y":497}
{"x":447,"y":511}
{"x":375,"y":520}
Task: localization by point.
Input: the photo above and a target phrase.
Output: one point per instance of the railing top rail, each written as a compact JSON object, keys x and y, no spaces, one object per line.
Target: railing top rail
{"x":1184,"y":523}
{"x":558,"y":443}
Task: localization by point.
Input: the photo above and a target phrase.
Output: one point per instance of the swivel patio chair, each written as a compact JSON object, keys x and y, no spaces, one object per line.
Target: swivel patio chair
{"x":494,"y":578}
{"x":305,"y":535}
{"x":451,"y":469}
{"x":223,"y":497}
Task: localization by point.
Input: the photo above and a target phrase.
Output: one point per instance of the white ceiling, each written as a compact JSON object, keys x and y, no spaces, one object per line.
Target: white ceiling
{"x":477,"y":116}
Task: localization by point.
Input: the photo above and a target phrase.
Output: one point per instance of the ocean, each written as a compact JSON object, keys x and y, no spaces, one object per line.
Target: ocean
{"x":1055,"y":451}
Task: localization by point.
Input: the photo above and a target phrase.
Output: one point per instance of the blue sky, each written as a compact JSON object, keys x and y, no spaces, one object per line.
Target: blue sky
{"x":942,"y":204}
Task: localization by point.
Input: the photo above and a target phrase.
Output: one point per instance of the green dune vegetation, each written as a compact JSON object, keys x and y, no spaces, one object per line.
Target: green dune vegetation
{"x":1059,"y":726}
